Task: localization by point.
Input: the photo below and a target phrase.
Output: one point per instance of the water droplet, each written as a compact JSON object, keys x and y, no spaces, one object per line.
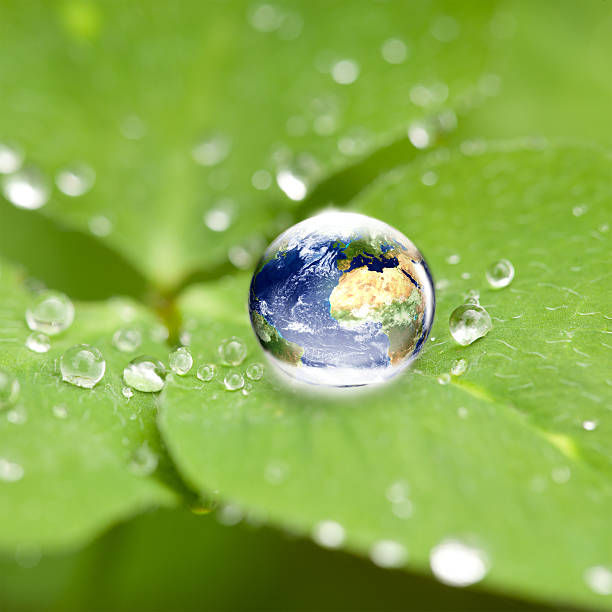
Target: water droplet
{"x":133,"y":127}
{"x":27,"y":188}
{"x":500,"y":274}
{"x":255,"y":371}
{"x":240,"y":257}
{"x":469,"y":322}
{"x":145,"y":373}
{"x":424,"y":96}
{"x":82,"y":365}
{"x":388,"y":553}
{"x":229,"y":515}
{"x":261,"y":180}
{"x":265,"y":18}
{"x":100,"y":226}
{"x":345,"y":71}
{"x":445,"y":28}
{"x":398,"y":492}
{"x":9,"y":389}
{"x":459,"y":367}
{"x":51,"y":312}
{"x":127,"y":392}
{"x":472,"y":297}
{"x":444,"y":379}
{"x":127,"y":339}
{"x":453,"y":259}
{"x":219,"y":218}
{"x":329,"y":534}
{"x":233,"y":381}
{"x":292,"y":185}
{"x":206,"y":372}
{"x":599,"y":579}
{"x":429,"y":178}
{"x":180,"y":361}
{"x":589,"y":425}
{"x":75,"y":180}
{"x":212,"y":149}
{"x":457,"y":564}
{"x":11,"y":157}
{"x":38,"y":342}
{"x":420,"y":135}
{"x":394,"y":51}
{"x":60,"y":411}
{"x":144,"y":461}
{"x":9,"y":471}
{"x":232,"y":351}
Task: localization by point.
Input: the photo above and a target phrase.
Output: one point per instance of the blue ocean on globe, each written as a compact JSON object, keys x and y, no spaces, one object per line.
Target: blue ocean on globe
{"x":341,"y":300}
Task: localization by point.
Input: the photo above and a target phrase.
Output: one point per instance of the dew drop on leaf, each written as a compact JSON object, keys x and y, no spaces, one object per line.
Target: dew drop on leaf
{"x":144,"y":461}
{"x":444,"y":379}
{"x":500,"y":274}
{"x":37,"y":342}
{"x":599,"y":579}
{"x":212,"y":149}
{"x":180,"y":361}
{"x":329,"y":534}
{"x":459,"y":367}
{"x":75,"y":180}
{"x":82,"y":365}
{"x":206,"y":372}
{"x":232,"y":351}
{"x":255,"y":371}
{"x":388,"y":553}
{"x":127,"y":339}
{"x":27,"y":188}
{"x":127,"y":392}
{"x":9,"y":389}
{"x":233,"y":381}
{"x":146,"y":374}
{"x":10,"y":471}
{"x":469,"y":322}
{"x":458,"y":564}
{"x":50,"y":312}
{"x":394,"y":51}
{"x":11,"y":157}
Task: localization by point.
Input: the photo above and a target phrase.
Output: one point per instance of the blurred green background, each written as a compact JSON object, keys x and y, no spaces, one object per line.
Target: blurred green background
{"x":75,"y":75}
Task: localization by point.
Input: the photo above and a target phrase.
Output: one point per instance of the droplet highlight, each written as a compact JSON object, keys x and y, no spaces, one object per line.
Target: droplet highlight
{"x":75,"y":180}
{"x":457,"y":564}
{"x":329,"y":534}
{"x":388,"y":553}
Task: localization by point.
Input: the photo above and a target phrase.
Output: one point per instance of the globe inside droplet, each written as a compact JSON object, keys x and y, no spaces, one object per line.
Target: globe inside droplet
{"x":342,"y":300}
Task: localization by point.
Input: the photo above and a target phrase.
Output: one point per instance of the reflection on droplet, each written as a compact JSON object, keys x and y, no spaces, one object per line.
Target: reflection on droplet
{"x":82,"y":365}
{"x":219,"y":218}
{"x":445,"y":28}
{"x":9,"y":389}
{"x":599,"y":579}
{"x":233,"y":381}
{"x":388,"y":553}
{"x":394,"y":51}
{"x":329,"y":534}
{"x":180,"y":361}
{"x":255,"y":371}
{"x":457,"y":564}
{"x":10,"y":471}
{"x":38,"y":342}
{"x":589,"y":425}
{"x":51,"y":312}
{"x":469,"y":322}
{"x":500,"y":274}
{"x":100,"y":226}
{"x":212,"y":149}
{"x":293,"y":186}
{"x":459,"y":367}
{"x":345,"y":71}
{"x":419,"y":135}
{"x":261,"y":180}
{"x":144,"y":461}
{"x":133,"y":127}
{"x":75,"y":180}
{"x":11,"y":157}
{"x":146,"y":374}
{"x":127,"y":339}
{"x":27,"y":188}
{"x":232,"y":351}
{"x":206,"y":372}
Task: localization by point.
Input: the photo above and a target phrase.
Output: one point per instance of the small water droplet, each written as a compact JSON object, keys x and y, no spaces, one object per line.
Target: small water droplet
{"x":146,"y":374}
{"x":500,"y":274}
{"x":233,"y":381}
{"x":75,"y":180}
{"x":133,"y":127}
{"x":9,"y":471}
{"x":127,"y":392}
{"x":599,"y":579}
{"x":38,"y":342}
{"x":265,"y":18}
{"x":429,"y":178}
{"x":230,"y":514}
{"x":398,"y":492}
{"x":27,"y":188}
{"x":127,"y":339}
{"x":457,"y":564}
{"x":578,"y":211}
{"x":144,"y":461}
{"x":261,"y":180}
{"x":459,"y":367}
{"x":60,"y":411}
{"x":206,"y":372}
{"x":329,"y":534}
{"x":444,"y":379}
{"x":180,"y":361}
{"x":472,"y":297}
{"x":82,"y":365}
{"x":293,"y":186}
{"x":388,"y":553}
{"x":232,"y":351}
{"x":589,"y":425}
{"x":11,"y":157}
{"x":345,"y":71}
{"x":255,"y":371}
{"x":394,"y":51}
{"x":240,"y":257}
{"x":469,"y":322}
{"x":419,"y":134}
{"x":9,"y":389}
{"x":212,"y":149}
{"x":219,"y":217}
{"x":100,"y":226}
{"x":51,"y":312}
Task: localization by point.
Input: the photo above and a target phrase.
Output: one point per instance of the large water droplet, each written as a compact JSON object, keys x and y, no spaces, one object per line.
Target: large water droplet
{"x":145,"y":374}
{"x":38,"y":342}
{"x":394,"y":51}
{"x":255,"y":371}
{"x":329,"y":534}
{"x":345,"y":71}
{"x":458,"y":564}
{"x":233,"y":381}
{"x":27,"y":188}
{"x":82,"y":365}
{"x":212,"y":149}
{"x":469,"y":322}
{"x":180,"y":361}
{"x":599,"y":579}
{"x":9,"y":471}
{"x":127,"y":339}
{"x":144,"y":461}
{"x":51,"y":312}
{"x":75,"y":180}
{"x":232,"y":351}
{"x":11,"y":157}
{"x":9,"y":389}
{"x":500,"y":274}
{"x":206,"y":372}
{"x":388,"y":553}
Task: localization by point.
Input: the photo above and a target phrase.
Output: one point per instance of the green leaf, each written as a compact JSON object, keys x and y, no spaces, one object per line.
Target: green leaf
{"x":498,"y":458}
{"x":74,"y":460}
